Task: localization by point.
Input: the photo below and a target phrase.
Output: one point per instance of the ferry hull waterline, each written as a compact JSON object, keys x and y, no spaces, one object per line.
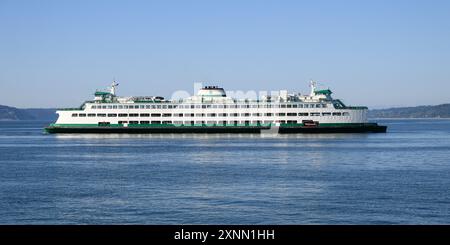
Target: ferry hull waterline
{"x":211,"y":111}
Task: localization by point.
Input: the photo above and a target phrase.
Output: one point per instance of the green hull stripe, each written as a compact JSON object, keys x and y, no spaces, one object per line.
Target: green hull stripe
{"x":212,"y":125}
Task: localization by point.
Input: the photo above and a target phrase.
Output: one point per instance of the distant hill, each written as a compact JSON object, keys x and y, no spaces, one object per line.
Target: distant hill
{"x":434,"y":111}
{"x":12,"y":113}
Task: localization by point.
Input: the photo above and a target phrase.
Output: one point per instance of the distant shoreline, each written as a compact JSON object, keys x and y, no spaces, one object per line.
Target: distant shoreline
{"x":26,"y":120}
{"x":371,"y":118}
{"x":409,"y":118}
{"x":434,"y":112}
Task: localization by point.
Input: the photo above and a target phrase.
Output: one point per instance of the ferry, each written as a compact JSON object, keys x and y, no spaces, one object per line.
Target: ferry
{"x":212,"y":111}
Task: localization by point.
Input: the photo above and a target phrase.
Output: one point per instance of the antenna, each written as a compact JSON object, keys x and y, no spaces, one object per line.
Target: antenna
{"x":113,"y":87}
{"x":312,"y":84}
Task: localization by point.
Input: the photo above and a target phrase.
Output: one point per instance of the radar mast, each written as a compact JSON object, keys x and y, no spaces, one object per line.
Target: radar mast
{"x":113,"y":87}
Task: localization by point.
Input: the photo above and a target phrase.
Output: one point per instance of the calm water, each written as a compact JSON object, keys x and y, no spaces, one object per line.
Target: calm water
{"x":402,"y":177}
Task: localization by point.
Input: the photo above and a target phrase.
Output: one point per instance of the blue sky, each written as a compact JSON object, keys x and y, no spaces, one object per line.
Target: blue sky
{"x":375,"y":53}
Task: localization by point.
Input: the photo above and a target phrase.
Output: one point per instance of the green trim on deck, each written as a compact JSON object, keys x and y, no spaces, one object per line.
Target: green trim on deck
{"x":355,"y":108}
{"x":324,"y":92}
{"x":70,"y":109}
{"x":81,"y":125}
{"x":145,"y":101}
{"x":101,"y":93}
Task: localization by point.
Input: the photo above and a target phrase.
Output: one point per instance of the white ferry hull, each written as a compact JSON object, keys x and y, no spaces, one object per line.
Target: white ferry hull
{"x":211,"y":111}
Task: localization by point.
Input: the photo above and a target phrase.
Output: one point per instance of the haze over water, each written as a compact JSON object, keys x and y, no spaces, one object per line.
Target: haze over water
{"x":401,"y":177}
